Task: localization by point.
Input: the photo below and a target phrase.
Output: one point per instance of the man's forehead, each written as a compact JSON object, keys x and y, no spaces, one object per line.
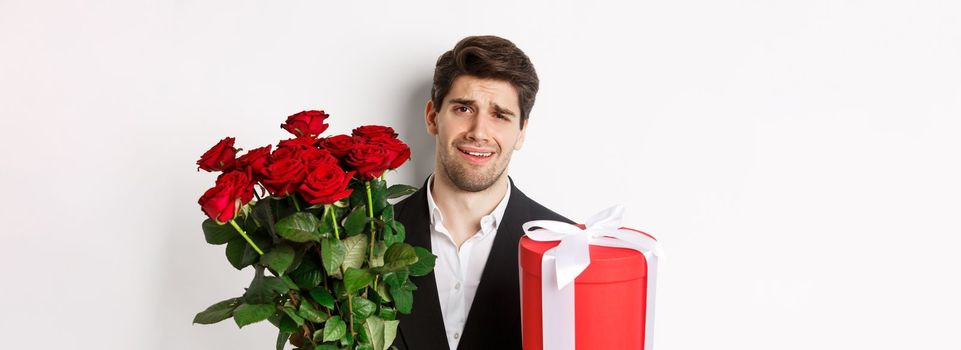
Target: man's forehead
{"x":480,"y":91}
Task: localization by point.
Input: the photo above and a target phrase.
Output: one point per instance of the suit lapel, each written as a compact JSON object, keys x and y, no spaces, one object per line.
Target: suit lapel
{"x":424,"y":327}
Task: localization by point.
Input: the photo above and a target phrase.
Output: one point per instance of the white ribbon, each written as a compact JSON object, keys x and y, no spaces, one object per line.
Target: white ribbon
{"x":562,"y":264}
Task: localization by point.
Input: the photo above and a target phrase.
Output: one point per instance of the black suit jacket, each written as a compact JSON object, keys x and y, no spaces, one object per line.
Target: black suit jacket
{"x":494,"y":321}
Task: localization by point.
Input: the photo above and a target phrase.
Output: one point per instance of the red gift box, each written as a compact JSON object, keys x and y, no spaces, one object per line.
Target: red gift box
{"x":610,"y":297}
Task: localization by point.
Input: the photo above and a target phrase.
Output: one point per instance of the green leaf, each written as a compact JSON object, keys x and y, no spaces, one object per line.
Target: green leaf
{"x":299,"y":227}
{"x":310,"y":313}
{"x":425,"y":262}
{"x":339,"y":292}
{"x":236,"y":253}
{"x":218,"y":312}
{"x":216,"y":233}
{"x":396,"y":234}
{"x":334,"y":329}
{"x":387,"y":313}
{"x":333,"y":252}
{"x":377,"y":194}
{"x":246,"y":314}
{"x":356,"y":247}
{"x":308,"y":274}
{"x":262,"y":240}
{"x":263,"y":290}
{"x":379,"y":249}
{"x":390,"y":331}
{"x":322,"y":297}
{"x":374,"y":328}
{"x":279,"y":258}
{"x":399,"y":255}
{"x":362,"y":308}
{"x":355,"y":279}
{"x":289,"y":282}
{"x":282,"y":340}
{"x":403,"y":299}
{"x":382,"y":292}
{"x":323,"y":346}
{"x":287,"y":324}
{"x":263,"y":214}
{"x":292,"y":314}
{"x":387,"y":215}
{"x":396,"y":278}
{"x":356,"y":220}
{"x":400,"y":190}
{"x":347,"y":341}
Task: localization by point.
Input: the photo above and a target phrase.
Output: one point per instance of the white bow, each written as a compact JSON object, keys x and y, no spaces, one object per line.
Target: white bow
{"x":573,"y":254}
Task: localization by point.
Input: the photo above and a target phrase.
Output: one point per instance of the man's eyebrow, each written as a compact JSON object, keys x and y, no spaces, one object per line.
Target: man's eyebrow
{"x":502,"y":110}
{"x":462,"y":101}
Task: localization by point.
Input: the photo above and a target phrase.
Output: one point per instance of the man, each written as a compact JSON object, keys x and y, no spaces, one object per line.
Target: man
{"x":469,"y":213}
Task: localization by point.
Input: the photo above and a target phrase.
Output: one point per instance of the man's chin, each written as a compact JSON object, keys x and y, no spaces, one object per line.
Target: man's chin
{"x":472,"y":182}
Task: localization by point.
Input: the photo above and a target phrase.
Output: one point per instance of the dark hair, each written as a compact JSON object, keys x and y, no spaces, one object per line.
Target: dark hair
{"x":489,"y":57}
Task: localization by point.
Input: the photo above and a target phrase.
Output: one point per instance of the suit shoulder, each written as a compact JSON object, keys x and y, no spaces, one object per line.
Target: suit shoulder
{"x":540,"y":212}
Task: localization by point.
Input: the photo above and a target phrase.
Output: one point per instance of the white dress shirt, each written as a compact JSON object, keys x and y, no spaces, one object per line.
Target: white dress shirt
{"x":458,"y":271}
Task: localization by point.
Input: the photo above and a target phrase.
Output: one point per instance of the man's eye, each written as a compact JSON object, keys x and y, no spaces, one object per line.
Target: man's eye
{"x":502,"y":116}
{"x":462,"y":109}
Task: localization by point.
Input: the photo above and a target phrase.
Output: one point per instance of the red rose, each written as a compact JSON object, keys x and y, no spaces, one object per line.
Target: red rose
{"x":298,"y":143}
{"x":338,"y":145}
{"x":326,"y":184}
{"x":220,"y":157}
{"x":306,"y":123}
{"x":369,"y":160}
{"x":313,"y":156}
{"x":222,"y":202}
{"x":283,"y":174}
{"x":396,"y":149}
{"x":255,"y":159}
{"x":374,"y":132}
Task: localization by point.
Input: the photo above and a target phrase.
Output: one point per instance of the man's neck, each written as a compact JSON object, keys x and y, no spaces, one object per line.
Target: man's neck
{"x":463,"y":210}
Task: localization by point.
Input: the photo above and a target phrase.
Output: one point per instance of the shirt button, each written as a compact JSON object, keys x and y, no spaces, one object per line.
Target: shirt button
{"x":457,"y":286}
{"x":456,"y":335}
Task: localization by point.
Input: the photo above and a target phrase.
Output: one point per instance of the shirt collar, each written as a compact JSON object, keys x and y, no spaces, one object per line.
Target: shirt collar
{"x":488,"y":223}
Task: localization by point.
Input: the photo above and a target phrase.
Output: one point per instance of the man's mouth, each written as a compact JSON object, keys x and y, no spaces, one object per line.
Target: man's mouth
{"x":475,"y":153}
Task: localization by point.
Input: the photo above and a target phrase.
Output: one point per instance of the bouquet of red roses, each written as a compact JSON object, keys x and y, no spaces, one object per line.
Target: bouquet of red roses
{"x":322,"y":227}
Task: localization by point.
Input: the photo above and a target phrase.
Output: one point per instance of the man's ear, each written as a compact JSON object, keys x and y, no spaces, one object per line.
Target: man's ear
{"x":430,"y":118}
{"x":520,"y":138}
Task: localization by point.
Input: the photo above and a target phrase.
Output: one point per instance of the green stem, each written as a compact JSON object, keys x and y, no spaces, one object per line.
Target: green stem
{"x":294,"y":199}
{"x":350,"y":313}
{"x":333,"y":220}
{"x":244,"y":234}
{"x":370,"y":213}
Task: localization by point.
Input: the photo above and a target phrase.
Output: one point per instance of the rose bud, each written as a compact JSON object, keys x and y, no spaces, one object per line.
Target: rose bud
{"x":220,"y":157}
{"x":369,"y":160}
{"x":397,"y":151}
{"x":254,"y":159}
{"x":326,"y":184}
{"x":282,"y":176}
{"x":314,"y":156}
{"x":222,"y":202}
{"x":338,"y":145}
{"x":374,"y":132}
{"x":299,"y":143}
{"x":306,"y":123}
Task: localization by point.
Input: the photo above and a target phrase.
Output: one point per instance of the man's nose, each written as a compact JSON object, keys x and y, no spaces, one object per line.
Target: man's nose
{"x":478,"y":128}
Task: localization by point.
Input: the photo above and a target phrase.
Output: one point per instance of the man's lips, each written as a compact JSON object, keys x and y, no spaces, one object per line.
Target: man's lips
{"x":475,"y":152}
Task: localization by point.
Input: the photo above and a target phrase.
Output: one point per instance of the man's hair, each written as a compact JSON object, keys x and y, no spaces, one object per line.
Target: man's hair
{"x":489,"y":57}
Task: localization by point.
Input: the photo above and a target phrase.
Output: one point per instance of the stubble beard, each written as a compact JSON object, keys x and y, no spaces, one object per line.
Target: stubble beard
{"x":468,"y":180}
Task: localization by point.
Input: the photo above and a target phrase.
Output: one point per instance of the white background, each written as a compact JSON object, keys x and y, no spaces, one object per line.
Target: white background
{"x":799,"y":160}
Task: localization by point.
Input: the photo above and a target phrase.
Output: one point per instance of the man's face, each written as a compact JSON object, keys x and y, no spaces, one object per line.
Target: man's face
{"x":477,"y":128}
